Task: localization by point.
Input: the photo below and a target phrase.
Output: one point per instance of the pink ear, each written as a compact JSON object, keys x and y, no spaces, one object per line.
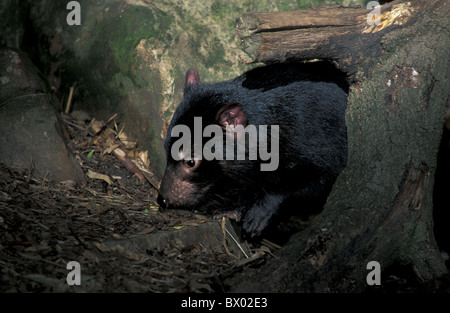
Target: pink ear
{"x":192,"y":78}
{"x":231,"y":114}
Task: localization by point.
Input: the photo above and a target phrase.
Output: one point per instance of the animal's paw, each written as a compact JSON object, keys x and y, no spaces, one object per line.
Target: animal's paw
{"x":256,"y":220}
{"x":234,"y":215}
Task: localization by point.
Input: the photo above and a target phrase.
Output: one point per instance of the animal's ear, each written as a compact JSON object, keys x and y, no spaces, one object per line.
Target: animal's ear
{"x":192,"y":79}
{"x":231,"y":114}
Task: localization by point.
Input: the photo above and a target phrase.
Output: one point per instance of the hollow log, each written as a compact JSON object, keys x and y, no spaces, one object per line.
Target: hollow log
{"x":380,"y":208}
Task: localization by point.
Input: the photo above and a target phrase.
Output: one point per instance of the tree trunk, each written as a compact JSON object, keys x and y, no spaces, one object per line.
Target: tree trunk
{"x":380,"y":208}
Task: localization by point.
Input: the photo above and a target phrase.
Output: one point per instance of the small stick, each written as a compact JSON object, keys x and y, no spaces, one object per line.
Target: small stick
{"x":120,"y":154}
{"x":224,"y":229}
{"x":20,"y":97}
{"x":69,"y":101}
{"x":224,"y":239}
{"x":30,"y":169}
{"x":76,"y":126}
{"x":112,"y":118}
{"x":237,"y":243}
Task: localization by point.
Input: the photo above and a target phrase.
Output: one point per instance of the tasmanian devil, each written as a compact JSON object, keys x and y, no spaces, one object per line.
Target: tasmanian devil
{"x":291,"y":146}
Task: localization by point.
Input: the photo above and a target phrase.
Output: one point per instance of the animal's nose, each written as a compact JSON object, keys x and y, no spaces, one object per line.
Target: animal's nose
{"x":162,"y":201}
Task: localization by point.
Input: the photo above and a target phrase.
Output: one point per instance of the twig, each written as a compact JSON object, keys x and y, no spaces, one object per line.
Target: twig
{"x":224,"y":241}
{"x":30,"y":169}
{"x":120,"y":154}
{"x":10,"y":269}
{"x":69,"y":101}
{"x":45,"y":178}
{"x":224,"y":229}
{"x":75,"y":235}
{"x":77,"y":126}
{"x":270,"y":244}
{"x":237,"y":243}
{"x":112,"y":118}
{"x":20,"y":97}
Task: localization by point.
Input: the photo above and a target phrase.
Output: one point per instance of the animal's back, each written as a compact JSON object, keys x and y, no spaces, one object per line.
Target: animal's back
{"x":309,"y":110}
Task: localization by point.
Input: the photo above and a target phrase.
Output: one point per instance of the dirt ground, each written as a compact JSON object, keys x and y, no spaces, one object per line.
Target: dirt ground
{"x":122,"y":240}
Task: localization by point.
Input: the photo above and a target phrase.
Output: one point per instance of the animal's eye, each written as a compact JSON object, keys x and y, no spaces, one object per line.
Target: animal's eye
{"x":190,"y":163}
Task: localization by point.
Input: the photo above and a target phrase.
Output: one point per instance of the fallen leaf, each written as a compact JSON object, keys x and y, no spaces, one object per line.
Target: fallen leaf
{"x":102,"y":246}
{"x":95,"y":175}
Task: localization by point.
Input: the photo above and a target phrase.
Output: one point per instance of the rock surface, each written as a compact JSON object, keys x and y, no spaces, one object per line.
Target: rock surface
{"x":29,"y":127}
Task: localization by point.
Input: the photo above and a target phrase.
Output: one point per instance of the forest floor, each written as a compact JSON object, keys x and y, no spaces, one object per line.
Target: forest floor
{"x":111,"y":226}
{"x":114,"y":229}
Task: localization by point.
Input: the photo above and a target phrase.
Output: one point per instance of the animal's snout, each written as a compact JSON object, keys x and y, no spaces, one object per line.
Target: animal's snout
{"x":162,"y":201}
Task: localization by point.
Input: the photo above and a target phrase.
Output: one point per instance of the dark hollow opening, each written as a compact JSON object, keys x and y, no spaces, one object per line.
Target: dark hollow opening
{"x":441,"y":197}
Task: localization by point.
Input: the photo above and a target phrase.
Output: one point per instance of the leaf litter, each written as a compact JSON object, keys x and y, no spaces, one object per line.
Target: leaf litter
{"x":111,"y":226}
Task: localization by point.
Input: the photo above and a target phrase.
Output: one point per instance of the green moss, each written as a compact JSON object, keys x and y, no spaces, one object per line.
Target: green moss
{"x":135,"y":24}
{"x":223,"y":11}
{"x":121,"y":84}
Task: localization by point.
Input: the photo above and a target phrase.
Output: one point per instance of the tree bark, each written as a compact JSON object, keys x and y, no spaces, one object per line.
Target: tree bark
{"x":380,"y":208}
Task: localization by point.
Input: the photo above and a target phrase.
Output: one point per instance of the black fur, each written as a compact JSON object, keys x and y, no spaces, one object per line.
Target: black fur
{"x":312,"y":147}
